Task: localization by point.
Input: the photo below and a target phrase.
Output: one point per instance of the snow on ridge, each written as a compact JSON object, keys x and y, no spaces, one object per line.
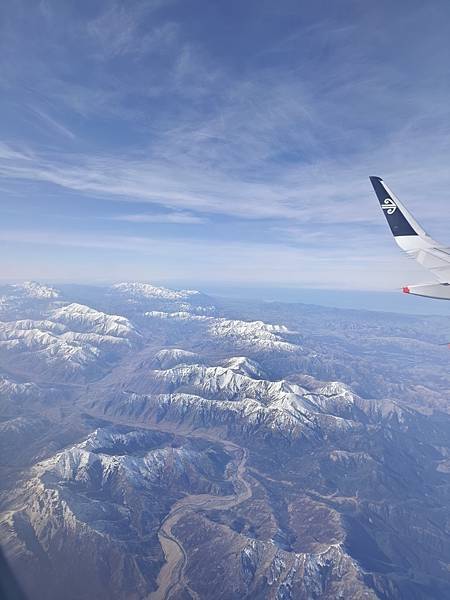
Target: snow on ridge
{"x":15,"y":425}
{"x":92,"y":320}
{"x":237,"y":389}
{"x":40,"y":324}
{"x":75,"y":347}
{"x":227,"y":384}
{"x":8,"y":387}
{"x":334,"y":388}
{"x":37,"y":290}
{"x":146,"y":290}
{"x":170,"y":357}
{"x":248,"y":412}
{"x":72,"y":337}
{"x":107,"y":438}
{"x":179,"y":315}
{"x":263,"y":335}
{"x":75,"y":462}
{"x":338,"y":391}
{"x":254,"y":334}
{"x":245,"y":366}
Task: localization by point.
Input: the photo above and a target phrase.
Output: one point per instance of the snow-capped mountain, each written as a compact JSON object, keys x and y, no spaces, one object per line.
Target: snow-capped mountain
{"x":26,"y":300}
{"x":169,"y":357}
{"x":141,"y":297}
{"x":15,"y":391}
{"x":255,"y":335}
{"x":236,"y":395}
{"x":71,"y":341}
{"x":148,"y":291}
{"x":99,"y":503}
{"x":35,"y":290}
{"x":85,"y":319}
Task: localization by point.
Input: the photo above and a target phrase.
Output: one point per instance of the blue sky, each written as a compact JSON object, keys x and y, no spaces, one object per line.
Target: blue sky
{"x":198,"y":143}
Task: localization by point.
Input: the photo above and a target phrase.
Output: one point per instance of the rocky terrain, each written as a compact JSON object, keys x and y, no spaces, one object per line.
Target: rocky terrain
{"x":166,"y":444}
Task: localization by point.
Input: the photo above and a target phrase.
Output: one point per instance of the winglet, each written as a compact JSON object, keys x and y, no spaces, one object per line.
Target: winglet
{"x":414,"y":240}
{"x":398,"y":218}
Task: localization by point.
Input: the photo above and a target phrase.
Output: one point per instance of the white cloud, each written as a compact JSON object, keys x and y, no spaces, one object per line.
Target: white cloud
{"x":224,"y":261}
{"x":53,"y":123}
{"x":179,"y":218}
{"x":8,"y":153}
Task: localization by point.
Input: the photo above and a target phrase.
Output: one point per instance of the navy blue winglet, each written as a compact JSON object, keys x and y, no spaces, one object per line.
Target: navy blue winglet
{"x":396,"y":219}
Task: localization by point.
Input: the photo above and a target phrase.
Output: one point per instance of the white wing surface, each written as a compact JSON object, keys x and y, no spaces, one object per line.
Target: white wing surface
{"x":411,"y":238}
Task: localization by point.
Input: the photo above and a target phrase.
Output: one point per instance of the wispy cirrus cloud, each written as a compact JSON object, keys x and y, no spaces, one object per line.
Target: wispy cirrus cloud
{"x":120,"y":30}
{"x":178,"y":218}
{"x":51,"y":122}
{"x":325,"y":192}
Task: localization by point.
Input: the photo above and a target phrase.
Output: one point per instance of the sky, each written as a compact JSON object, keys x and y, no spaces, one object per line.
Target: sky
{"x":204,"y":143}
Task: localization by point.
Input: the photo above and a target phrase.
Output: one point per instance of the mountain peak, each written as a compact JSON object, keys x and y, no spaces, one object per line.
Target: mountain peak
{"x":37,"y":290}
{"x":146,"y":290}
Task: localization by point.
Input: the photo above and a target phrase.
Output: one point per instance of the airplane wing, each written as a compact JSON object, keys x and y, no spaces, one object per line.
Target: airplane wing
{"x":411,"y":238}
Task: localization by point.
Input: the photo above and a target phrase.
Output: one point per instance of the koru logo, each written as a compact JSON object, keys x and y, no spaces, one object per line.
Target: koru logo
{"x":389,"y":206}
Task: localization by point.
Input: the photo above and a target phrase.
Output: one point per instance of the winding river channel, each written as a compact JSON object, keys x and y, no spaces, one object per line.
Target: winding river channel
{"x":171,"y":578}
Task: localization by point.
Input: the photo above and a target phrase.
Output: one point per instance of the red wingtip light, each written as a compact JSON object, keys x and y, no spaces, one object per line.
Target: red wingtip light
{"x":406,"y":290}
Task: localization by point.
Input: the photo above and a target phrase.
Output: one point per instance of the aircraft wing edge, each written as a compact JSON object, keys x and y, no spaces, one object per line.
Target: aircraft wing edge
{"x":438,"y":291}
{"x":410,"y":236}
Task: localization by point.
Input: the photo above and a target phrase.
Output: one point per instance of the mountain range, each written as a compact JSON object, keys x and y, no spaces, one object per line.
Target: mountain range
{"x":162,"y":443}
